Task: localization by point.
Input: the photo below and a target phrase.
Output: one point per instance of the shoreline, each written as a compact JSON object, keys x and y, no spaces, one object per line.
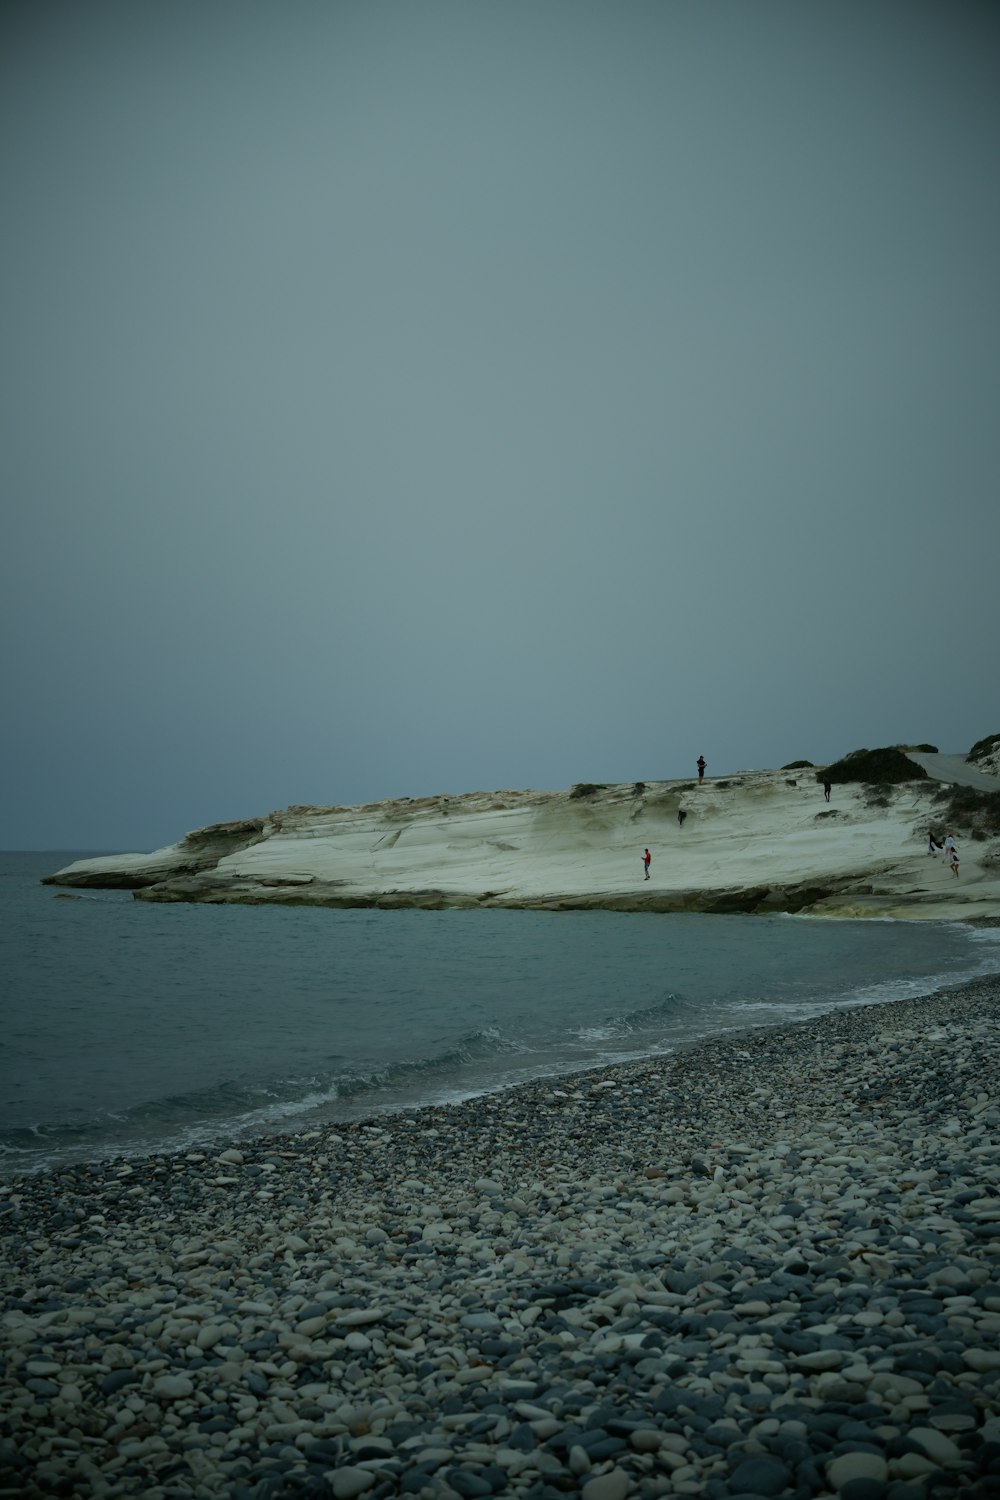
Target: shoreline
{"x":542,"y":1086}
{"x":211,"y":1135}
{"x":718,"y":1265}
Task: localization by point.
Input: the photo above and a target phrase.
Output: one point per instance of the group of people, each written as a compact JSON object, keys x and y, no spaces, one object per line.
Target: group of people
{"x":949,"y":853}
{"x":647,"y":858}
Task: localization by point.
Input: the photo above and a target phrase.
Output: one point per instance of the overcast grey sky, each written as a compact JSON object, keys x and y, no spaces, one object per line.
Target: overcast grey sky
{"x":411,"y":396}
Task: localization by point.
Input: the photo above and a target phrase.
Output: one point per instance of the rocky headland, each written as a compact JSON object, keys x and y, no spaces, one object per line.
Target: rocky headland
{"x":757,"y":841}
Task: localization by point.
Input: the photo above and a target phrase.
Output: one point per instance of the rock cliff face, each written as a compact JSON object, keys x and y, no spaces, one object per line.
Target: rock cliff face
{"x":760,"y":841}
{"x":200,"y":850}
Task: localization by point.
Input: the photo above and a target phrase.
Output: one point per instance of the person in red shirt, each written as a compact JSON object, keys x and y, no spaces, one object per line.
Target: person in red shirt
{"x":645,"y":862}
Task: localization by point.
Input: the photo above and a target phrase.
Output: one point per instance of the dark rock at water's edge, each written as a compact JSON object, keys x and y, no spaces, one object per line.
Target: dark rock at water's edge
{"x":243,"y":890}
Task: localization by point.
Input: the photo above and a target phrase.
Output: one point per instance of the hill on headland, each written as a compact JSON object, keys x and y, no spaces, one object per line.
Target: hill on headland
{"x":985,"y":754}
{"x":757,"y":841}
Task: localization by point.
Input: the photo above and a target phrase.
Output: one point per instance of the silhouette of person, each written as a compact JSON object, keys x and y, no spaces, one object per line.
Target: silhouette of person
{"x":701,"y":769}
{"x":681,"y":815}
{"x":826,"y":790}
{"x":645,"y":862}
{"x":953,"y":861}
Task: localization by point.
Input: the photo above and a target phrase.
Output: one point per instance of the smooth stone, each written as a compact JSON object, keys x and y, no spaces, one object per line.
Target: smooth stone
{"x":821,"y":1360}
{"x":646,"y":1439}
{"x":469,"y":1485}
{"x":982,"y":1361}
{"x":173,"y":1387}
{"x":614,"y":1485}
{"x":760,"y":1476}
{"x":863,"y":1489}
{"x":936,"y":1445}
{"x":857,"y":1465}
{"x":482,"y":1322}
{"x":349,"y":1481}
{"x":310,"y":1327}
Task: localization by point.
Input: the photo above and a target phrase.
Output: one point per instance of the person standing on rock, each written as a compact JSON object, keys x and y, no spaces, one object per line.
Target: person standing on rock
{"x":949,"y":847}
{"x":953,"y":861}
{"x":701,"y":769}
{"x":646,"y":858}
{"x":826,"y":790}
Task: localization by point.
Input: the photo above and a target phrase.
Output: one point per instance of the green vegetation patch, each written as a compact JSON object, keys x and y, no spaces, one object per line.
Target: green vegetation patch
{"x":587,"y":788}
{"x":885,"y":767}
{"x":798,"y":765}
{"x":976,"y":813}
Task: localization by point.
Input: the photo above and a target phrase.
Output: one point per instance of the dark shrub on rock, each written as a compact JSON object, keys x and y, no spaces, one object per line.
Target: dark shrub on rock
{"x":968,"y":808}
{"x":798,"y":765}
{"x":885,"y":767}
{"x":586,"y":789}
{"x":982,"y":748}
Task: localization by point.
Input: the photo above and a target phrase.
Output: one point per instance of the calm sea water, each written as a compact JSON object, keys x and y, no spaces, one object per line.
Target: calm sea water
{"x":130,"y":1028}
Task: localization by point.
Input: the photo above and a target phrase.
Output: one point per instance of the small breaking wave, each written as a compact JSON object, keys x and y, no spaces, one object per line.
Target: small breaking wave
{"x":671,"y":1011}
{"x":178,"y":1122}
{"x":186,"y":1121}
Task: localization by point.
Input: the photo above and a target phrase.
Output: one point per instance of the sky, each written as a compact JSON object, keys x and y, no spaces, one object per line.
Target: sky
{"x":403,"y":397}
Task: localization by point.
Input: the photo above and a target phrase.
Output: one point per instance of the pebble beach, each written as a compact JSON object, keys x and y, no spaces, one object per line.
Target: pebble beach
{"x":765,"y":1266}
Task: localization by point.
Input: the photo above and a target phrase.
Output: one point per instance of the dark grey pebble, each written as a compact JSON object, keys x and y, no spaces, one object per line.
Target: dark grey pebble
{"x":863,"y":1489}
{"x":469,"y":1483}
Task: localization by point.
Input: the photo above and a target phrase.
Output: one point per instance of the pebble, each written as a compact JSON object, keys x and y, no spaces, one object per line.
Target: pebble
{"x":766,"y":1266}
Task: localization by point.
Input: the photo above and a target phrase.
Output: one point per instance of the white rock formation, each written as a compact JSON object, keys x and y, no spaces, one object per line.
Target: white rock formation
{"x":755,"y":841}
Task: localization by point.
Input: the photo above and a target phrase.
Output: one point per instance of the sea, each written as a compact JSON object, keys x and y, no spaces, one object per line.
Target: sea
{"x":131,"y":1028}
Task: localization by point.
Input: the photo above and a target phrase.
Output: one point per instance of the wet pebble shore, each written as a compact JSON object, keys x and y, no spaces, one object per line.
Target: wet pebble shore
{"x":769,"y":1266}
